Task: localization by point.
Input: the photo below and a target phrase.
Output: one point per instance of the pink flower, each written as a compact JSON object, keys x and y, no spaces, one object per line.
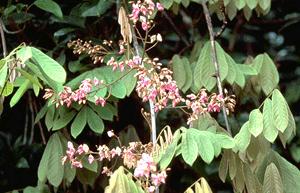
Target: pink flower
{"x":91,"y":159}
{"x":82,"y":149}
{"x":159,"y":178}
{"x":145,"y":26}
{"x":110,"y":133}
{"x":159,"y":7}
{"x":100,"y":100}
{"x":151,"y":188}
{"x":144,"y":166}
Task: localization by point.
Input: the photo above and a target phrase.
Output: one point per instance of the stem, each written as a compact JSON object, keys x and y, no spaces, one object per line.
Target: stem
{"x":215,"y":60}
{"x":3,"y":39}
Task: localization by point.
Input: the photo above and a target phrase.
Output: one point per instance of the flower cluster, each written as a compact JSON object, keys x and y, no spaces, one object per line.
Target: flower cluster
{"x":146,"y":168}
{"x":136,"y":156}
{"x":142,"y":10}
{"x":67,"y":96}
{"x":158,"y":87}
{"x":72,"y":154}
{"x":202,"y":103}
{"x":96,"y":52}
{"x":131,"y":63}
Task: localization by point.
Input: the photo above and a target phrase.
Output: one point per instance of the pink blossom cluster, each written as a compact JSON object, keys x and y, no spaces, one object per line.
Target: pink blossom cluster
{"x":146,"y":169}
{"x":142,"y":10}
{"x":67,"y":96}
{"x":158,"y":87}
{"x":131,"y":63}
{"x":136,"y":156}
{"x":202,"y":103}
{"x":72,"y":154}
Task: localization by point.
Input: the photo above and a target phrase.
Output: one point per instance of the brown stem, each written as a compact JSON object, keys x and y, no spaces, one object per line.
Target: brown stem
{"x":215,"y":60}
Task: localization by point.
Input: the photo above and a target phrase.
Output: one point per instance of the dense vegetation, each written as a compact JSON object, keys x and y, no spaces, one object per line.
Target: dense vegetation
{"x":150,"y":96}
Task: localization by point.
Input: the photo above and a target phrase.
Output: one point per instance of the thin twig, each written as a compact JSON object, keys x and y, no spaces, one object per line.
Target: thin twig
{"x":39,"y":124}
{"x":176,"y":29}
{"x":215,"y":60}
{"x":30,"y":100}
{"x":4,"y":48}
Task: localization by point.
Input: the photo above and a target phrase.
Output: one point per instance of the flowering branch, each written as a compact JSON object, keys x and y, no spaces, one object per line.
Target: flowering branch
{"x":215,"y":61}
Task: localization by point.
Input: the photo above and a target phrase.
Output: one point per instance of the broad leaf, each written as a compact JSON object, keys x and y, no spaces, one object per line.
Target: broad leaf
{"x":79,"y":122}
{"x":272,"y":180}
{"x":189,"y":148}
{"x":179,"y":72}
{"x":49,"y":66}
{"x":49,"y":6}
{"x":19,"y":93}
{"x":270,"y":132}
{"x":255,"y":122}
{"x":63,"y":120}
{"x":94,"y":121}
{"x":280,"y":111}
{"x":242,"y":139}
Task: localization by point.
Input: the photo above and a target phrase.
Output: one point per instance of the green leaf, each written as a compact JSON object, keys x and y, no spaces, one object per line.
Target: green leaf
{"x":41,"y":113}
{"x":240,"y":78}
{"x":224,"y":140}
{"x":3,"y":75}
{"x":272,"y":180}
{"x":94,"y":121}
{"x":290,"y":174}
{"x":86,"y":177}
{"x":204,"y":70}
{"x":19,"y":93}
{"x":189,"y":148}
{"x":49,"y":6}
{"x":268,"y":75}
{"x":270,"y":132}
{"x":8,"y":89}
{"x":63,"y":120}
{"x":69,"y":173}
{"x":252,"y":183}
{"x":252,"y":3}
{"x":2,"y":63}
{"x":49,"y":66}
{"x":223,"y":167}
{"x":242,"y":139}
{"x":232,"y":165}
{"x":247,"y":13}
{"x":179,"y":72}
{"x":231,"y":76}
{"x":240,"y":4}
{"x":129,"y":80}
{"x":280,"y":111}
{"x":97,"y":9}
{"x":118,"y":182}
{"x":105,"y":112}
{"x":231,"y":10}
{"x":50,"y":166}
{"x":255,"y":122}
{"x":264,"y":4}
{"x":189,"y":74}
{"x":79,"y":122}
{"x":205,"y":146}
{"x":166,"y":3}
{"x":248,"y":69}
{"x":30,"y":77}
{"x":168,"y":155}
{"x":49,"y":119}
{"x":290,"y":131}
{"x":92,"y":167}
